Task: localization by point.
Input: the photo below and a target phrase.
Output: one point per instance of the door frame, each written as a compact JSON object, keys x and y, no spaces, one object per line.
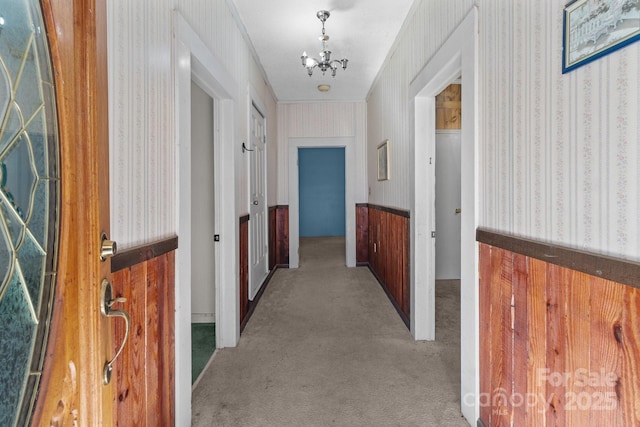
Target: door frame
{"x":348,"y":143}
{"x":254,"y":100}
{"x":193,"y":60}
{"x":458,"y":56}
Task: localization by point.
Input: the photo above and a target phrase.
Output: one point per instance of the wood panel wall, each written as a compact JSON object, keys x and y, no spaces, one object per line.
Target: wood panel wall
{"x":362,"y":234}
{"x":388,"y":253}
{"x":143,"y":373}
{"x":278,"y":236}
{"x":244,"y":268}
{"x":449,"y":108}
{"x":272,"y":237}
{"x":142,"y":121}
{"x":558,"y":346}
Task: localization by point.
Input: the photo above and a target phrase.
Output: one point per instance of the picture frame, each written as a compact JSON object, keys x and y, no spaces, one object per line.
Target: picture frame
{"x":592,"y":29}
{"x":383,"y":161}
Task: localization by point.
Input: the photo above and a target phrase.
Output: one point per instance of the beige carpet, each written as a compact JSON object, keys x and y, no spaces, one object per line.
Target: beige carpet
{"x":325,"y":347}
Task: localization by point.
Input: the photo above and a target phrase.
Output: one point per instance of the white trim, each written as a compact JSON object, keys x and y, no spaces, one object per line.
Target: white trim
{"x":350,"y":205}
{"x":203,"y":317}
{"x":458,"y":56}
{"x":448,"y":131}
{"x":193,"y":60}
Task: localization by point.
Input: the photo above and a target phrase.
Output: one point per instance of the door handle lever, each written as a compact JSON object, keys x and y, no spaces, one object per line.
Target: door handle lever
{"x":106,"y":302}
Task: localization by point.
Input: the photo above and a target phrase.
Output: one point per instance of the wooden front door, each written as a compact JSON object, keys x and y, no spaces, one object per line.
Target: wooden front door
{"x":72,"y":389}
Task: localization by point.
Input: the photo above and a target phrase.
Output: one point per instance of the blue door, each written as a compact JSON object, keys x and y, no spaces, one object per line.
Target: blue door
{"x":321,"y":180}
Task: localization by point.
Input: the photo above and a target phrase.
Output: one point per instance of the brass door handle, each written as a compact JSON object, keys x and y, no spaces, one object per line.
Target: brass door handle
{"x":106,"y":302}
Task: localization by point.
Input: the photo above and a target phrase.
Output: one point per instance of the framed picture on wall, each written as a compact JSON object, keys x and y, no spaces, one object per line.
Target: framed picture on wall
{"x":383,"y":161}
{"x":593,"y":29}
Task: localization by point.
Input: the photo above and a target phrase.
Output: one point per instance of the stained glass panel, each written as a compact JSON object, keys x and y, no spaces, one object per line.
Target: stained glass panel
{"x":11,"y":123}
{"x":29,"y":203}
{"x":17,"y":330}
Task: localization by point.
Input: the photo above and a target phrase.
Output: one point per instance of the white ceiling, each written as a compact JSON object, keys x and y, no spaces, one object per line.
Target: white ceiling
{"x":362,"y":31}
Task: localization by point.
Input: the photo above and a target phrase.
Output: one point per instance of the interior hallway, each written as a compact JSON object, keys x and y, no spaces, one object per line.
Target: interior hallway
{"x":326,"y":347}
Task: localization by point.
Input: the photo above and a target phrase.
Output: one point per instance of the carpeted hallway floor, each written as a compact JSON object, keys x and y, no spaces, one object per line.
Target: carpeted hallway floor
{"x":326,"y":347}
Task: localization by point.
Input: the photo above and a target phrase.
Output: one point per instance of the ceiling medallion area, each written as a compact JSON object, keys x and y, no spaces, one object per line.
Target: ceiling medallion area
{"x":324,"y":63}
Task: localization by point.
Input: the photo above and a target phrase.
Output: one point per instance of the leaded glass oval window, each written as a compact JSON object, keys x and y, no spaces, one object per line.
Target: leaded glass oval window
{"x":28,"y":205}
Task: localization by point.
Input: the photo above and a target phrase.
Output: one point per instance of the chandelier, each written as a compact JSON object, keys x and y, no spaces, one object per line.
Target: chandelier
{"x":324,"y":63}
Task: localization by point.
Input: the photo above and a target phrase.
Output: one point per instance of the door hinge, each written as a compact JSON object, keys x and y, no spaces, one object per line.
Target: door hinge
{"x":433,"y":234}
{"x":216,"y":237}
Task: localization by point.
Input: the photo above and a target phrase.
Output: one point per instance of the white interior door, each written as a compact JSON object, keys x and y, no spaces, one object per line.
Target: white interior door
{"x":448,"y":204}
{"x":258,"y":244}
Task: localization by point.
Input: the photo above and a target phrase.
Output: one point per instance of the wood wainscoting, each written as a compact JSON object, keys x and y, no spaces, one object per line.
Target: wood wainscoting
{"x":362,"y":234}
{"x":382,"y":234}
{"x":558,"y":345}
{"x":244,"y":269}
{"x":278,"y":236}
{"x":143,"y":373}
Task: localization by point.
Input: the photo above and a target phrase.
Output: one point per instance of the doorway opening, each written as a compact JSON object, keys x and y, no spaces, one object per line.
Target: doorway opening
{"x":448,"y":116}
{"x":457,"y":57}
{"x":203,"y":188}
{"x":349,"y":210}
{"x":193,"y":61}
{"x":321,"y":178}
{"x":448,"y":186}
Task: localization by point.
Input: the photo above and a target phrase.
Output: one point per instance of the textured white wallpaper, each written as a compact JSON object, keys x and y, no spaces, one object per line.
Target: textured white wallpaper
{"x":141,"y":109}
{"x":388,"y":102}
{"x":558,"y":155}
{"x":321,"y":120}
{"x":560,"y":152}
